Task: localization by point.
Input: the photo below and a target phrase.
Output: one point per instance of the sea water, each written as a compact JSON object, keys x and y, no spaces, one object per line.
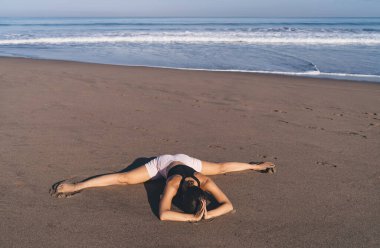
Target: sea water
{"x":343,"y":48}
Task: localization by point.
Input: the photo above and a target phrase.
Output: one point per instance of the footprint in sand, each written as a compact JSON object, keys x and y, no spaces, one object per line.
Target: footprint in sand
{"x":140,"y":128}
{"x":279,"y":111}
{"x":357,"y":134}
{"x":367,"y":113}
{"x":372,"y":125}
{"x":196,"y":103}
{"x":325,"y":163}
{"x":315,"y":128}
{"x":267,"y":157}
{"x":216,"y":147}
{"x":169,"y":140}
{"x":325,"y":117}
{"x":373,"y":115}
{"x":283,"y":121}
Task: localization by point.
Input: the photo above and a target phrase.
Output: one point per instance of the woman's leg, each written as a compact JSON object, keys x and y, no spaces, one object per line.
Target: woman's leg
{"x":209,"y":168}
{"x":138,"y":175}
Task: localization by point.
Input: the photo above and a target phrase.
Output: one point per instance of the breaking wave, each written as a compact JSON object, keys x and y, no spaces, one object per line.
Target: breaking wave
{"x":201,"y":39}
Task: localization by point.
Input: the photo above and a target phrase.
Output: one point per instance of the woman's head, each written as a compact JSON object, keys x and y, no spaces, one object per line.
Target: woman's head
{"x":192,"y":197}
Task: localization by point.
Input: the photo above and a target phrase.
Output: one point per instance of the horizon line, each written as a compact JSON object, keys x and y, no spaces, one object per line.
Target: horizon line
{"x":258,"y":17}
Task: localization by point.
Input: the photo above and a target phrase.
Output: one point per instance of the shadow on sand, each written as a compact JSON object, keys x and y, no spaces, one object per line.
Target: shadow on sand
{"x":154,"y":188}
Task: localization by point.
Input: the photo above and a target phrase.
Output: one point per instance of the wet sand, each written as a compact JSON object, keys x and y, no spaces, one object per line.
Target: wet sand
{"x":62,"y":120}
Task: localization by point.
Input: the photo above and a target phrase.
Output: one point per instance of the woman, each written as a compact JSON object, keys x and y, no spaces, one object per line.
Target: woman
{"x":185,"y":176}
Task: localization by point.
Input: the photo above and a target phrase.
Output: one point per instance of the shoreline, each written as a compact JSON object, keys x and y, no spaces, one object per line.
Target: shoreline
{"x":361,"y":78}
{"x":73,"y":120}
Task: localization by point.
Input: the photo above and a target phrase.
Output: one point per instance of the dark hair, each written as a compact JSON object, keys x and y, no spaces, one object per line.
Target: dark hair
{"x":191,"y":199}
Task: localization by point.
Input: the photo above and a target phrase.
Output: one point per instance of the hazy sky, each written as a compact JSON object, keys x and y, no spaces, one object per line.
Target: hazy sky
{"x":188,"y":8}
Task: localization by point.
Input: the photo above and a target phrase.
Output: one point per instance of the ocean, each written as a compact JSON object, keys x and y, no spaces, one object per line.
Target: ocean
{"x":341,"y":48}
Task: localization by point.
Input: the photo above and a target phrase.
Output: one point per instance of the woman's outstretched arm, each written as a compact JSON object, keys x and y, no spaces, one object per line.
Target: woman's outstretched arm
{"x":225,"y":204}
{"x":165,"y":207}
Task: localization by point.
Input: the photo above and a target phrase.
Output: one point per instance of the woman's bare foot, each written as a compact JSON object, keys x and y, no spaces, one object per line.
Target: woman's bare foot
{"x":66,"y":188}
{"x":264,"y":167}
{"x":63,"y":189}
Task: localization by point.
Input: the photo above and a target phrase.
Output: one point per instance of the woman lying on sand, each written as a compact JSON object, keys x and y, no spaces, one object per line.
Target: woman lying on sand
{"x":185,"y":176}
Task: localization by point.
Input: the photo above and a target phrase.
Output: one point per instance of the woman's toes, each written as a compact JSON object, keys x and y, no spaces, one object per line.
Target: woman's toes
{"x":65,"y":188}
{"x":59,"y":188}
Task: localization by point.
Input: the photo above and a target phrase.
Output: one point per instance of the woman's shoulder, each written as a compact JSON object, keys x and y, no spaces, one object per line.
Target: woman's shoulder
{"x":203,"y":179}
{"x":174,"y":180}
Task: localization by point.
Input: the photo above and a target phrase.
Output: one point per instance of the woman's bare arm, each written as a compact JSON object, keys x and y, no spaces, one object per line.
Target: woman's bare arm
{"x":225,"y":204}
{"x":165,"y":207}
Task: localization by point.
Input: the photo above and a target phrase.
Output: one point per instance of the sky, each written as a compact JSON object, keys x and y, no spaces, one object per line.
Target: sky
{"x":190,"y":8}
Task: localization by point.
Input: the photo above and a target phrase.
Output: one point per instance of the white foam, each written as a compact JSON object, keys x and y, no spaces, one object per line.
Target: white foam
{"x":318,"y":74}
{"x":201,"y":39}
{"x":322,"y":74}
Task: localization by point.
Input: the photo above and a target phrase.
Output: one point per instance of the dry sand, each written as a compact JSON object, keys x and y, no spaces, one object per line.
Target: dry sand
{"x":60,"y":120}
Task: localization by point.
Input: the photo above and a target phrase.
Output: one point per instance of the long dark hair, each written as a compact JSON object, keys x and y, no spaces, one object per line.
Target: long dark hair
{"x":192,"y":197}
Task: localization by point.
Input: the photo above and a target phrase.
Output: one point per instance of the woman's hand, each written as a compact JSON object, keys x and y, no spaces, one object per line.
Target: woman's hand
{"x":206,"y":216}
{"x":200,"y":214}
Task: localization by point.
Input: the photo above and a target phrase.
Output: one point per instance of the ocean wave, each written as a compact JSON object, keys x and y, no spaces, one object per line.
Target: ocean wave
{"x":189,"y":23}
{"x":192,"y":39}
{"x":313,"y":73}
{"x":318,"y":73}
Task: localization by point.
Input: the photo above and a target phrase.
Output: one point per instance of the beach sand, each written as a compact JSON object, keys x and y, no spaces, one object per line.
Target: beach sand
{"x":61,"y":120}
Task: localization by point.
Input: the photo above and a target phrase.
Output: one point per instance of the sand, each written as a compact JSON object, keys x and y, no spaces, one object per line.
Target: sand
{"x":61,"y":120}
